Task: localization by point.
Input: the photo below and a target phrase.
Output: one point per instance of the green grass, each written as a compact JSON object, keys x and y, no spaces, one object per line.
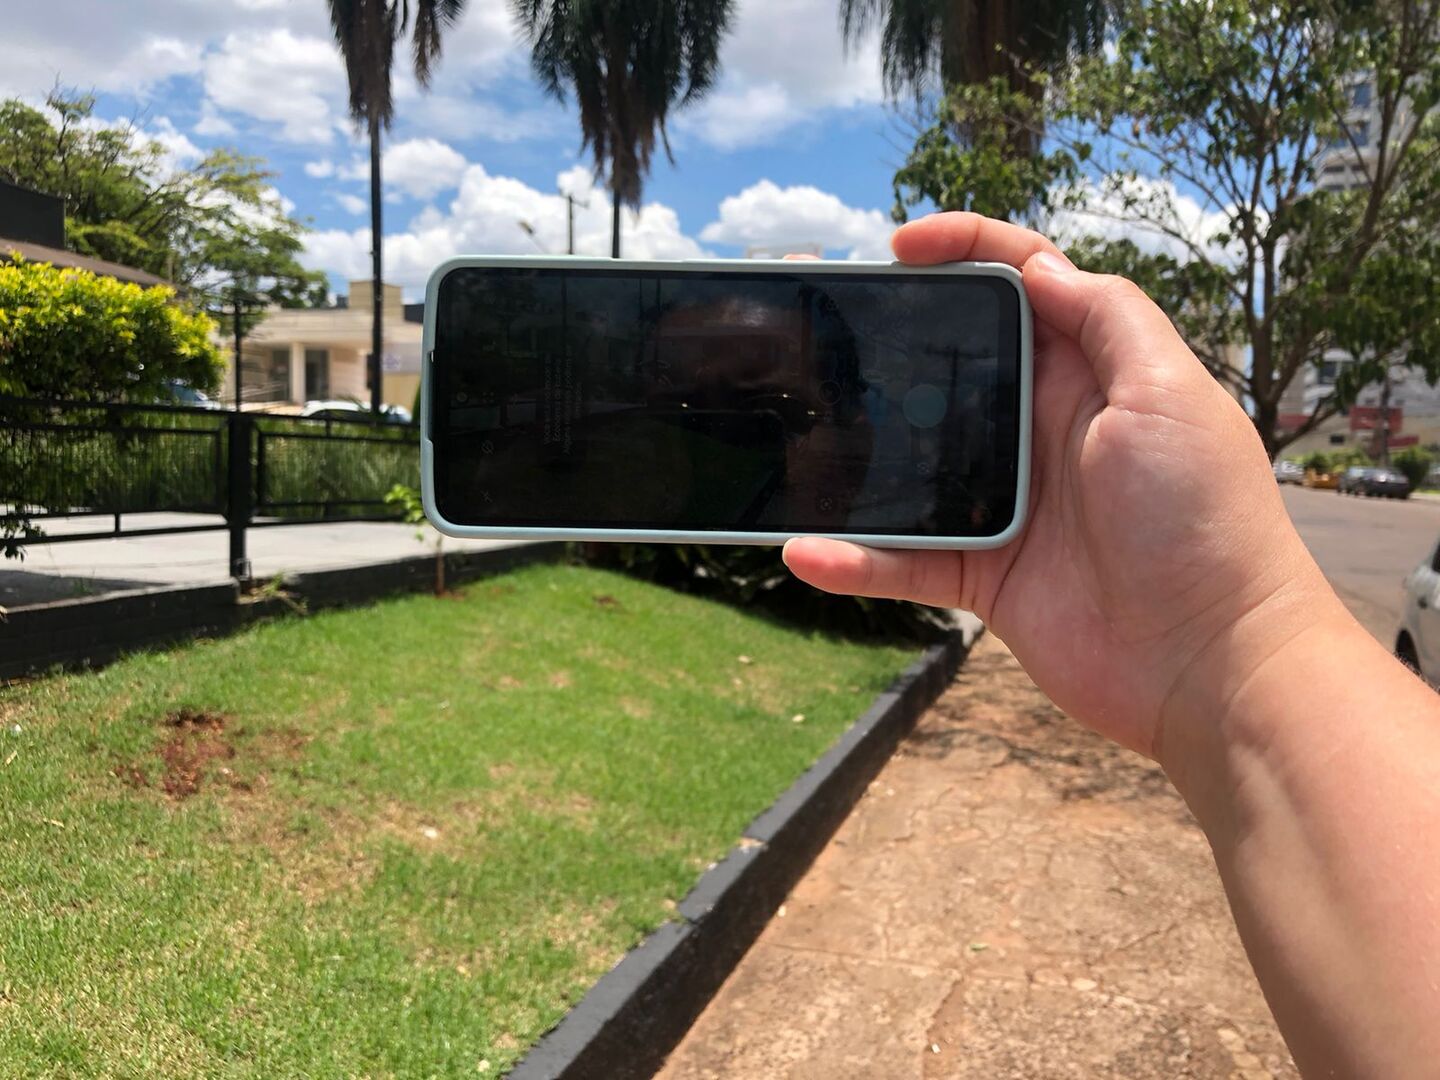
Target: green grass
{"x":443,"y":821}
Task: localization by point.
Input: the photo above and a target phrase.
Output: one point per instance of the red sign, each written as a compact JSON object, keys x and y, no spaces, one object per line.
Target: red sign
{"x":1367,"y":418}
{"x":1290,"y":421}
{"x":1399,"y":442}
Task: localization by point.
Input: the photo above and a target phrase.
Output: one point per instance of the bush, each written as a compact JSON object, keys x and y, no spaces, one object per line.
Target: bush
{"x":76,"y":335}
{"x":1414,"y":463}
{"x":1336,"y":461}
{"x":756,"y":577}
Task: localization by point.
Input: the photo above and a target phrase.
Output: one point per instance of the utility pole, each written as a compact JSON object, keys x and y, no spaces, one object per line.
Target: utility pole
{"x":570,"y":204}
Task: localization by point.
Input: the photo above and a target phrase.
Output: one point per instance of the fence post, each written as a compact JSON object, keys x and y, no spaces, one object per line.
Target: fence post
{"x":239,"y":500}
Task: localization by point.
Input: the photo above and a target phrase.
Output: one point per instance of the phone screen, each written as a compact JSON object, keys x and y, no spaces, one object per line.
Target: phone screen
{"x":730,"y":401}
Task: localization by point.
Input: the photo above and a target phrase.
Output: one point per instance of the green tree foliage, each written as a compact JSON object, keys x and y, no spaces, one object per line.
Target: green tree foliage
{"x":967,"y":160}
{"x":1243,"y":110}
{"x":971,"y":42}
{"x":1415,"y":463}
{"x":367,"y":32}
{"x":126,"y":202}
{"x":962,"y":44}
{"x":75,"y":335}
{"x":629,"y":62}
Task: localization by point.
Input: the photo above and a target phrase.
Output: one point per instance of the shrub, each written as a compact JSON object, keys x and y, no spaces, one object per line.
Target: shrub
{"x":76,"y":335}
{"x":1414,"y":463}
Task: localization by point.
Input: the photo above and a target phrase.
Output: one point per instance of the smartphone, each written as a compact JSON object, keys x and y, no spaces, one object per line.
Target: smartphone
{"x":727,"y":402}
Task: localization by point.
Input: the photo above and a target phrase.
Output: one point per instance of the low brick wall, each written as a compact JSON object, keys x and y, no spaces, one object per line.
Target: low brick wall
{"x":93,"y":631}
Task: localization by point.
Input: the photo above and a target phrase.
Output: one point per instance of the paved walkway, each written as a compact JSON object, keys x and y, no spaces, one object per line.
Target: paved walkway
{"x":91,"y":567}
{"x":1014,"y":897}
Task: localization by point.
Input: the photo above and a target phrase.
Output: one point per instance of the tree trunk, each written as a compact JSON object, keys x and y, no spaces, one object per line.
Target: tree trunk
{"x":377,"y":304}
{"x":1382,"y":429}
{"x":1267,"y":416}
{"x":615,"y":226}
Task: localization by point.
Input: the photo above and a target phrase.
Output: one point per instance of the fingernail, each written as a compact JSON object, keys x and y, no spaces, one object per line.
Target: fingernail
{"x":1052,"y":263}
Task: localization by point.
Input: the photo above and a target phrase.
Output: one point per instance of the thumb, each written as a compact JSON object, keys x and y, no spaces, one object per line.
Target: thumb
{"x":1121,"y":331}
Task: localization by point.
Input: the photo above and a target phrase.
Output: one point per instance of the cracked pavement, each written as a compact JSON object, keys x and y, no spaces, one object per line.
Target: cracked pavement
{"x":1013,"y":897}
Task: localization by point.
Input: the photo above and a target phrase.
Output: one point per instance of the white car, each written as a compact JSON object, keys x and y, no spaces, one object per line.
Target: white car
{"x":1418,"y":642}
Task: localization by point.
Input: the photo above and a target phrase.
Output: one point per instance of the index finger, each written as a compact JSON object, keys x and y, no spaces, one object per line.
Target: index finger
{"x":960,"y":235}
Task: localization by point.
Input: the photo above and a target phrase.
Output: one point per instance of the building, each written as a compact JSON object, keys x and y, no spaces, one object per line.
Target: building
{"x":297,"y":355}
{"x":1342,"y":165}
{"x":32,"y":225}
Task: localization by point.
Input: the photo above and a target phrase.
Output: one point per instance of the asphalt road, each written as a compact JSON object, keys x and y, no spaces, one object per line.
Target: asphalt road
{"x":1366,"y":547}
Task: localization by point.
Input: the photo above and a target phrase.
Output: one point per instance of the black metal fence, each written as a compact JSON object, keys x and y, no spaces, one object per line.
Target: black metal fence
{"x":66,"y":459}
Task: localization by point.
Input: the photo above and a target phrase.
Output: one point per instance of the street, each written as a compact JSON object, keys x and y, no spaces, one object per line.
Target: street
{"x":1366,"y":547}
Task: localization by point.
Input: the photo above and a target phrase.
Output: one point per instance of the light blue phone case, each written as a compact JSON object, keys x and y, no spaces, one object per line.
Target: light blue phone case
{"x":484,"y":532}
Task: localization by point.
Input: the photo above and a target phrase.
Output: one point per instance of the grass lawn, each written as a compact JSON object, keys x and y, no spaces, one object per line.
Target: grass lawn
{"x":397,"y":841}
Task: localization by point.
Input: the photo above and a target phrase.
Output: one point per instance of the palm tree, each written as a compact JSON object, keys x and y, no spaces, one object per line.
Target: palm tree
{"x":974,"y":41}
{"x":367,"y":32}
{"x":629,"y":62}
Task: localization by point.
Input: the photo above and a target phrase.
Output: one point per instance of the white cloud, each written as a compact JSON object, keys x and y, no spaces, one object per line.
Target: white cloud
{"x":1134,"y":210}
{"x":485,"y":216}
{"x":769,"y":216}
{"x":320,"y":169}
{"x":352,"y":204}
{"x":422,"y":167}
{"x":211,"y":123}
{"x":784,"y":64}
{"x":179,"y":150}
{"x":280,"y":78}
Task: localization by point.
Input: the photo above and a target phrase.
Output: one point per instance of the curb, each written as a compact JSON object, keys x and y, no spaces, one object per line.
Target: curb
{"x":93,"y":631}
{"x":630,"y":1021}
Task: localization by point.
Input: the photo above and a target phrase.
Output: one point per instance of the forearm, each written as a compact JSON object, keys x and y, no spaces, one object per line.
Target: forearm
{"x":1316,"y":775}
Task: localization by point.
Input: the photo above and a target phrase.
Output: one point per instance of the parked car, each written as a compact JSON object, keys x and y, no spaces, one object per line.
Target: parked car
{"x":182,"y":393}
{"x":354,"y":410}
{"x":1372,"y":481}
{"x":1317,"y":478}
{"x":1289,"y":472}
{"x":1418,"y":641}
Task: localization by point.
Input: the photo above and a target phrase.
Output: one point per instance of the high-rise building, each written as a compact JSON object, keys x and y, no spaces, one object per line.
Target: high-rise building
{"x":1344,"y":164}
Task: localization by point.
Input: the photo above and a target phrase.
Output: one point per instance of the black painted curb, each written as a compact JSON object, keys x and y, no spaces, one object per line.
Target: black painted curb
{"x":631,"y":1020}
{"x":93,"y":631}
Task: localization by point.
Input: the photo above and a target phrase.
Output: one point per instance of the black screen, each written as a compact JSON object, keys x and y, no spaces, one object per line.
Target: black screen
{"x":757,"y":401}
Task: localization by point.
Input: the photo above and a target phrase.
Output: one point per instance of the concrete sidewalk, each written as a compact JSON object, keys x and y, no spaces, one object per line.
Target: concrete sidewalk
{"x":93,"y":567}
{"x":1014,"y":897}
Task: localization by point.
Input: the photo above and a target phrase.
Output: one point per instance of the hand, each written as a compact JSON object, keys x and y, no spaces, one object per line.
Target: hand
{"x":1156,"y":537}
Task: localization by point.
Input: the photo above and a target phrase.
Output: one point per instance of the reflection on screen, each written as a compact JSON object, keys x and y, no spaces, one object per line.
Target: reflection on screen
{"x":765,"y":401}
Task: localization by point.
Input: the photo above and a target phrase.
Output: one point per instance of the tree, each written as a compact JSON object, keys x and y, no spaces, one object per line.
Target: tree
{"x":964,"y":43}
{"x":629,"y":63}
{"x":126,"y":202}
{"x":367,"y":32}
{"x":1227,"y":137}
{"x":78,"y":336}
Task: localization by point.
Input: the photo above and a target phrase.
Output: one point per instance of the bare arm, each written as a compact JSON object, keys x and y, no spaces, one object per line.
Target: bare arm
{"x":1160,"y":595}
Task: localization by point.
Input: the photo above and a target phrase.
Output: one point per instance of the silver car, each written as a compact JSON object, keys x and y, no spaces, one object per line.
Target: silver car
{"x":1289,"y":472}
{"x":1418,"y":641}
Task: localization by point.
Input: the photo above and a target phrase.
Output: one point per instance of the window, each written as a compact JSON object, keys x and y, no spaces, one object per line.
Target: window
{"x":279,"y":372}
{"x":1337,"y":439}
{"x":1360,"y":95}
{"x":317,"y":374}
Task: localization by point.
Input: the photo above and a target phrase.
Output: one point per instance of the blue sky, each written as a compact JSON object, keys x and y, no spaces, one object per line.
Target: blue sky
{"x":795,"y":146}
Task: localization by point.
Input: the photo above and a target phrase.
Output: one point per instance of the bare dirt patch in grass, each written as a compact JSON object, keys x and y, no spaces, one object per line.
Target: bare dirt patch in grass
{"x":197,"y":749}
{"x":196,"y":743}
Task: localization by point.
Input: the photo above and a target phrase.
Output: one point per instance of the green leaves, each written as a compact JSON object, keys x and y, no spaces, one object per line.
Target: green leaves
{"x":975,"y":156}
{"x":72,"y":334}
{"x":217,"y":223}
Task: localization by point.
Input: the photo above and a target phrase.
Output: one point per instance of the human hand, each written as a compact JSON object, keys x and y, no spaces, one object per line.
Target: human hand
{"x":1157,"y":552}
